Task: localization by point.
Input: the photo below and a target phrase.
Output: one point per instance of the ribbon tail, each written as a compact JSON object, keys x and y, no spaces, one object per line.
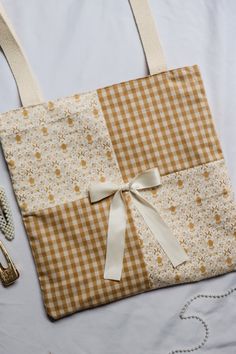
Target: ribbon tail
{"x":160,"y":230}
{"x":115,"y":238}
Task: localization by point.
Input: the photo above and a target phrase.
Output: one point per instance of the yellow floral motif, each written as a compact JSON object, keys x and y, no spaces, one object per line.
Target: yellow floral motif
{"x":217,"y":218}
{"x":45,"y":131}
{"x":64,"y":147}
{"x":89,"y":139}
{"x":83,"y":163}
{"x":210,"y":243}
{"x":198,"y":201}
{"x":102,"y":179}
{"x":202,"y":269}
{"x":173,"y":209}
{"x":25,"y":113}
{"x":24,"y":206}
{"x":50,"y":106}
{"x":77,"y":189}
{"x":58,"y":172}
{"x":51,"y":198}
{"x":206,"y":174}
{"x":18,"y":139}
{"x":70,"y":121}
{"x":95,"y":112}
{"x":77,"y":97}
{"x":12,"y":164}
{"x":225,"y":192}
{"x":191,"y":226}
{"x":31,"y":181}
{"x":38,"y":155}
{"x":177,"y":278}
{"x":109,"y":155}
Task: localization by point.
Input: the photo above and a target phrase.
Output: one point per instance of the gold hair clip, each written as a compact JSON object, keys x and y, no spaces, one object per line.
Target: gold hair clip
{"x":9,"y":274}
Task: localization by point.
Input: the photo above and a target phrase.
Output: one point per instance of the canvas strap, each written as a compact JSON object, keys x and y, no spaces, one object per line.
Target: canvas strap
{"x":27,"y":86}
{"x":149,"y":36}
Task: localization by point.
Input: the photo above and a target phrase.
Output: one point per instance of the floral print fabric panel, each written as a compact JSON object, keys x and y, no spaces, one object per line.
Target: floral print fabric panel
{"x":198,"y":205}
{"x":56,"y":150}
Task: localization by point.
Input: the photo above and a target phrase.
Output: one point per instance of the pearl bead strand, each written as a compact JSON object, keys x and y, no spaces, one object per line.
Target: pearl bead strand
{"x":198,"y":318}
{"x":6,"y":219}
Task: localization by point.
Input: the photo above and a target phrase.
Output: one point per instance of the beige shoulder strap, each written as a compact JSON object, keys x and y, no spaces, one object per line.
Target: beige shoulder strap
{"x":148,"y":35}
{"x":26,"y":83}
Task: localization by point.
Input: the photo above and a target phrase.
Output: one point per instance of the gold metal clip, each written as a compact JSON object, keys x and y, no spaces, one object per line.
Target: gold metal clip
{"x":10,"y":274}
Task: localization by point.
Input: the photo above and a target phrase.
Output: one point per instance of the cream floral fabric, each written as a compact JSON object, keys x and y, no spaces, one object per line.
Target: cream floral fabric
{"x":56,"y":150}
{"x":198,"y":206}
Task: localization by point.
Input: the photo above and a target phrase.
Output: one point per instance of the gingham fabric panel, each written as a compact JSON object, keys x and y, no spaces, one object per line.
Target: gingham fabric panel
{"x":161,"y":120}
{"x":69,"y":248}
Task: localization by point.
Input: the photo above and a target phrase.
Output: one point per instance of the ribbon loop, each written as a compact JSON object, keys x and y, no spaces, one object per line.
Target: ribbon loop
{"x":117,"y":221}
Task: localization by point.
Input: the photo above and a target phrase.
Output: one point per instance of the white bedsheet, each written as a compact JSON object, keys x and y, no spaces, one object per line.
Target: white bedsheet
{"x":79,"y":45}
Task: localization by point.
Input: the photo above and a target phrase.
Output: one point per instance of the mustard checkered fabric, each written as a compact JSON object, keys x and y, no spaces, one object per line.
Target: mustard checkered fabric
{"x":69,"y":247}
{"x":162,"y":120}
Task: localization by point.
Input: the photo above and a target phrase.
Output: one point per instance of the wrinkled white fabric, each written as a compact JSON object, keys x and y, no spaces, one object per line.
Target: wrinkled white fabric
{"x":74,"y":46}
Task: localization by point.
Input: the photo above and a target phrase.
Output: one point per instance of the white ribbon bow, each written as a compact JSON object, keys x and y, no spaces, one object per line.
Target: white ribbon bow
{"x":117,"y":221}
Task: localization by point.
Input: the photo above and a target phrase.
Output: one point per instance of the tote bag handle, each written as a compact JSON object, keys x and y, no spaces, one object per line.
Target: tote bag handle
{"x":149,"y":37}
{"x":27,"y":86}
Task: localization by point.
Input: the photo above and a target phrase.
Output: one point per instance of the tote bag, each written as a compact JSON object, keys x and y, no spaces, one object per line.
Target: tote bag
{"x":123,"y":189}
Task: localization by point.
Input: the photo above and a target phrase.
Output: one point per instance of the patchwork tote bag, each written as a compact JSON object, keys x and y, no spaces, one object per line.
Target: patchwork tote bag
{"x":123,"y":189}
